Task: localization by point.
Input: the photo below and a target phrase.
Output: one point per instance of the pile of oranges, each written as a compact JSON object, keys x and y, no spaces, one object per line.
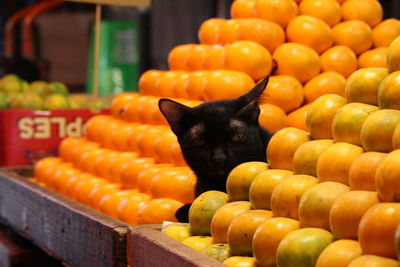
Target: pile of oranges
{"x":129,"y":164}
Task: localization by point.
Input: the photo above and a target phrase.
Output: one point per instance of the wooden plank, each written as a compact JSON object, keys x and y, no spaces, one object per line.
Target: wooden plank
{"x":141,"y":3}
{"x":149,"y":247}
{"x":65,"y":229}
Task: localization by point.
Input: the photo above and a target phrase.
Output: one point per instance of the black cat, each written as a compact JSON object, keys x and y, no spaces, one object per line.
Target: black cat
{"x":216,"y":136}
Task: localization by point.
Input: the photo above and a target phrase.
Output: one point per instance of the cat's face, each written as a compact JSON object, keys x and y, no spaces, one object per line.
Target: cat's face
{"x":218,"y":135}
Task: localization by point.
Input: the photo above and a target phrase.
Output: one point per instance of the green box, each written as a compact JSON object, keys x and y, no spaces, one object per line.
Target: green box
{"x":118,"y":58}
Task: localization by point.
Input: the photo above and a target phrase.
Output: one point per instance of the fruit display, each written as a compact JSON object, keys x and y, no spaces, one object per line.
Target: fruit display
{"x":329,"y":193}
{"x":16,"y":93}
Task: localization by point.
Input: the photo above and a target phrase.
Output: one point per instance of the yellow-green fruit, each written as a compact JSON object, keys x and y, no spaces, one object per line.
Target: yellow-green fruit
{"x":202,"y":211}
{"x":346,"y":125}
{"x":177,"y":231}
{"x":59,"y":88}
{"x":302,"y":247}
{"x":389,"y":92}
{"x":198,"y":242}
{"x":56,"y":101}
{"x":363,"y":84}
{"x":219,"y":251}
{"x":393,"y":55}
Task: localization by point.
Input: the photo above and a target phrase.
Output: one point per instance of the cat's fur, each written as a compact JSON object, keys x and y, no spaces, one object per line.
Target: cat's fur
{"x":216,"y":136}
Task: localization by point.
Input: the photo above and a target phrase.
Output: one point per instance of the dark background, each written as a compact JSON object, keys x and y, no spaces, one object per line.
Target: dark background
{"x":62,"y":34}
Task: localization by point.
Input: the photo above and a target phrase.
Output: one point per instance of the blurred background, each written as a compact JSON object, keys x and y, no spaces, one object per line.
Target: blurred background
{"x":59,"y":44}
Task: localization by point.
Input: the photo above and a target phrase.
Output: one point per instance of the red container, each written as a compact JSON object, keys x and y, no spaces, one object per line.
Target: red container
{"x":28,"y":135}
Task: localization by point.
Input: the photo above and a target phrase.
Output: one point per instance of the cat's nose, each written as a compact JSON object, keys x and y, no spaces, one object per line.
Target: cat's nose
{"x":219,"y":156}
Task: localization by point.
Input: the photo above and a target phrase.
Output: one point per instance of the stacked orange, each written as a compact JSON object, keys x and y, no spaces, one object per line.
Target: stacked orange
{"x":331,"y":195}
{"x":125,"y":166}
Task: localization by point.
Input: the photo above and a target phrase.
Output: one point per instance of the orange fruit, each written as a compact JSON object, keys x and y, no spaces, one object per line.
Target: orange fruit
{"x":297,"y":118}
{"x":372,"y":260}
{"x":297,"y":60}
{"x":316,"y":204}
{"x":340,"y":59}
{"x":197,"y":84}
{"x":84,"y":187}
{"x":145,"y":176}
{"x":110,"y":202}
{"x":321,"y":114}
{"x":280,"y":12}
{"x":387,"y":183}
{"x":281,"y":157}
{"x":266,"y":33}
{"x":243,"y":9}
{"x":158,"y":210}
{"x":311,"y":32}
{"x":130,"y":171}
{"x":286,"y":196}
{"x":179,"y":90}
{"x":148,"y":82}
{"x":98,"y":192}
{"x":229,"y":31}
{"x":130,"y":112}
{"x":363,"y":85}
{"x":82,"y":147}
{"x":177,"y":155}
{"x":377,"y":130}
{"x":162,"y":147}
{"x":339,"y":253}
{"x":237,"y":261}
{"x":197,"y":56}
{"x":107,"y":132}
{"x":385,"y":32}
{"x":347,"y":211}
{"x":227,"y":84}
{"x":115,"y":165}
{"x":377,"y":229}
{"x":363,"y":169}
{"x":369,"y":11}
{"x":128,"y":208}
{"x":158,"y":117}
{"x":214,"y":59}
{"x":89,"y":157}
{"x":61,"y":176}
{"x":306,"y":157}
{"x":268,"y":236}
{"x":176,"y":183}
{"x":373,"y":58}
{"x":41,"y":166}
{"x":283,"y":91}
{"x":329,"y":82}
{"x":119,"y":139}
{"x":263,"y":185}
{"x":178,"y":57}
{"x":168,"y":82}
{"x":145,"y":140}
{"x":144,"y":109}
{"x":101,"y":164}
{"x":355,"y":34}
{"x":348,"y":120}
{"x":137,"y":130}
{"x":388,"y":95}
{"x":248,"y":57}
{"x":396,"y":138}
{"x":118,"y":103}
{"x":209,"y":31}
{"x":223,"y":217}
{"x":326,"y":10}
{"x":242,"y":228}
{"x":393,"y":55}
{"x":65,"y":148}
{"x":241,"y":177}
{"x":272,"y":117}
{"x":94,"y":127}
{"x":335,"y":162}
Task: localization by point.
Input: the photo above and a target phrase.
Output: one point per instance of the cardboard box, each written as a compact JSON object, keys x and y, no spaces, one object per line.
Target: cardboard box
{"x":29,"y":135}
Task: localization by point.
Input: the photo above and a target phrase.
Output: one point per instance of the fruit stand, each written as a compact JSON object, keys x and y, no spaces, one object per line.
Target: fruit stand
{"x":327,"y":195}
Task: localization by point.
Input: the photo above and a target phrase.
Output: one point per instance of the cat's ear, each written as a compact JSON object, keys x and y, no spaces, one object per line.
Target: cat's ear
{"x":175,"y":113}
{"x":250,"y":100}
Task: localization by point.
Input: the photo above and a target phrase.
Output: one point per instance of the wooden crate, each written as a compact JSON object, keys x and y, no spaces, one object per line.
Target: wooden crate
{"x":67,"y":230}
{"x":147,"y":246}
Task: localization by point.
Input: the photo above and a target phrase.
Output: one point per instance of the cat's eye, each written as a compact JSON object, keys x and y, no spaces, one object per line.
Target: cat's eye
{"x":198,"y":141}
{"x":238,"y":138}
